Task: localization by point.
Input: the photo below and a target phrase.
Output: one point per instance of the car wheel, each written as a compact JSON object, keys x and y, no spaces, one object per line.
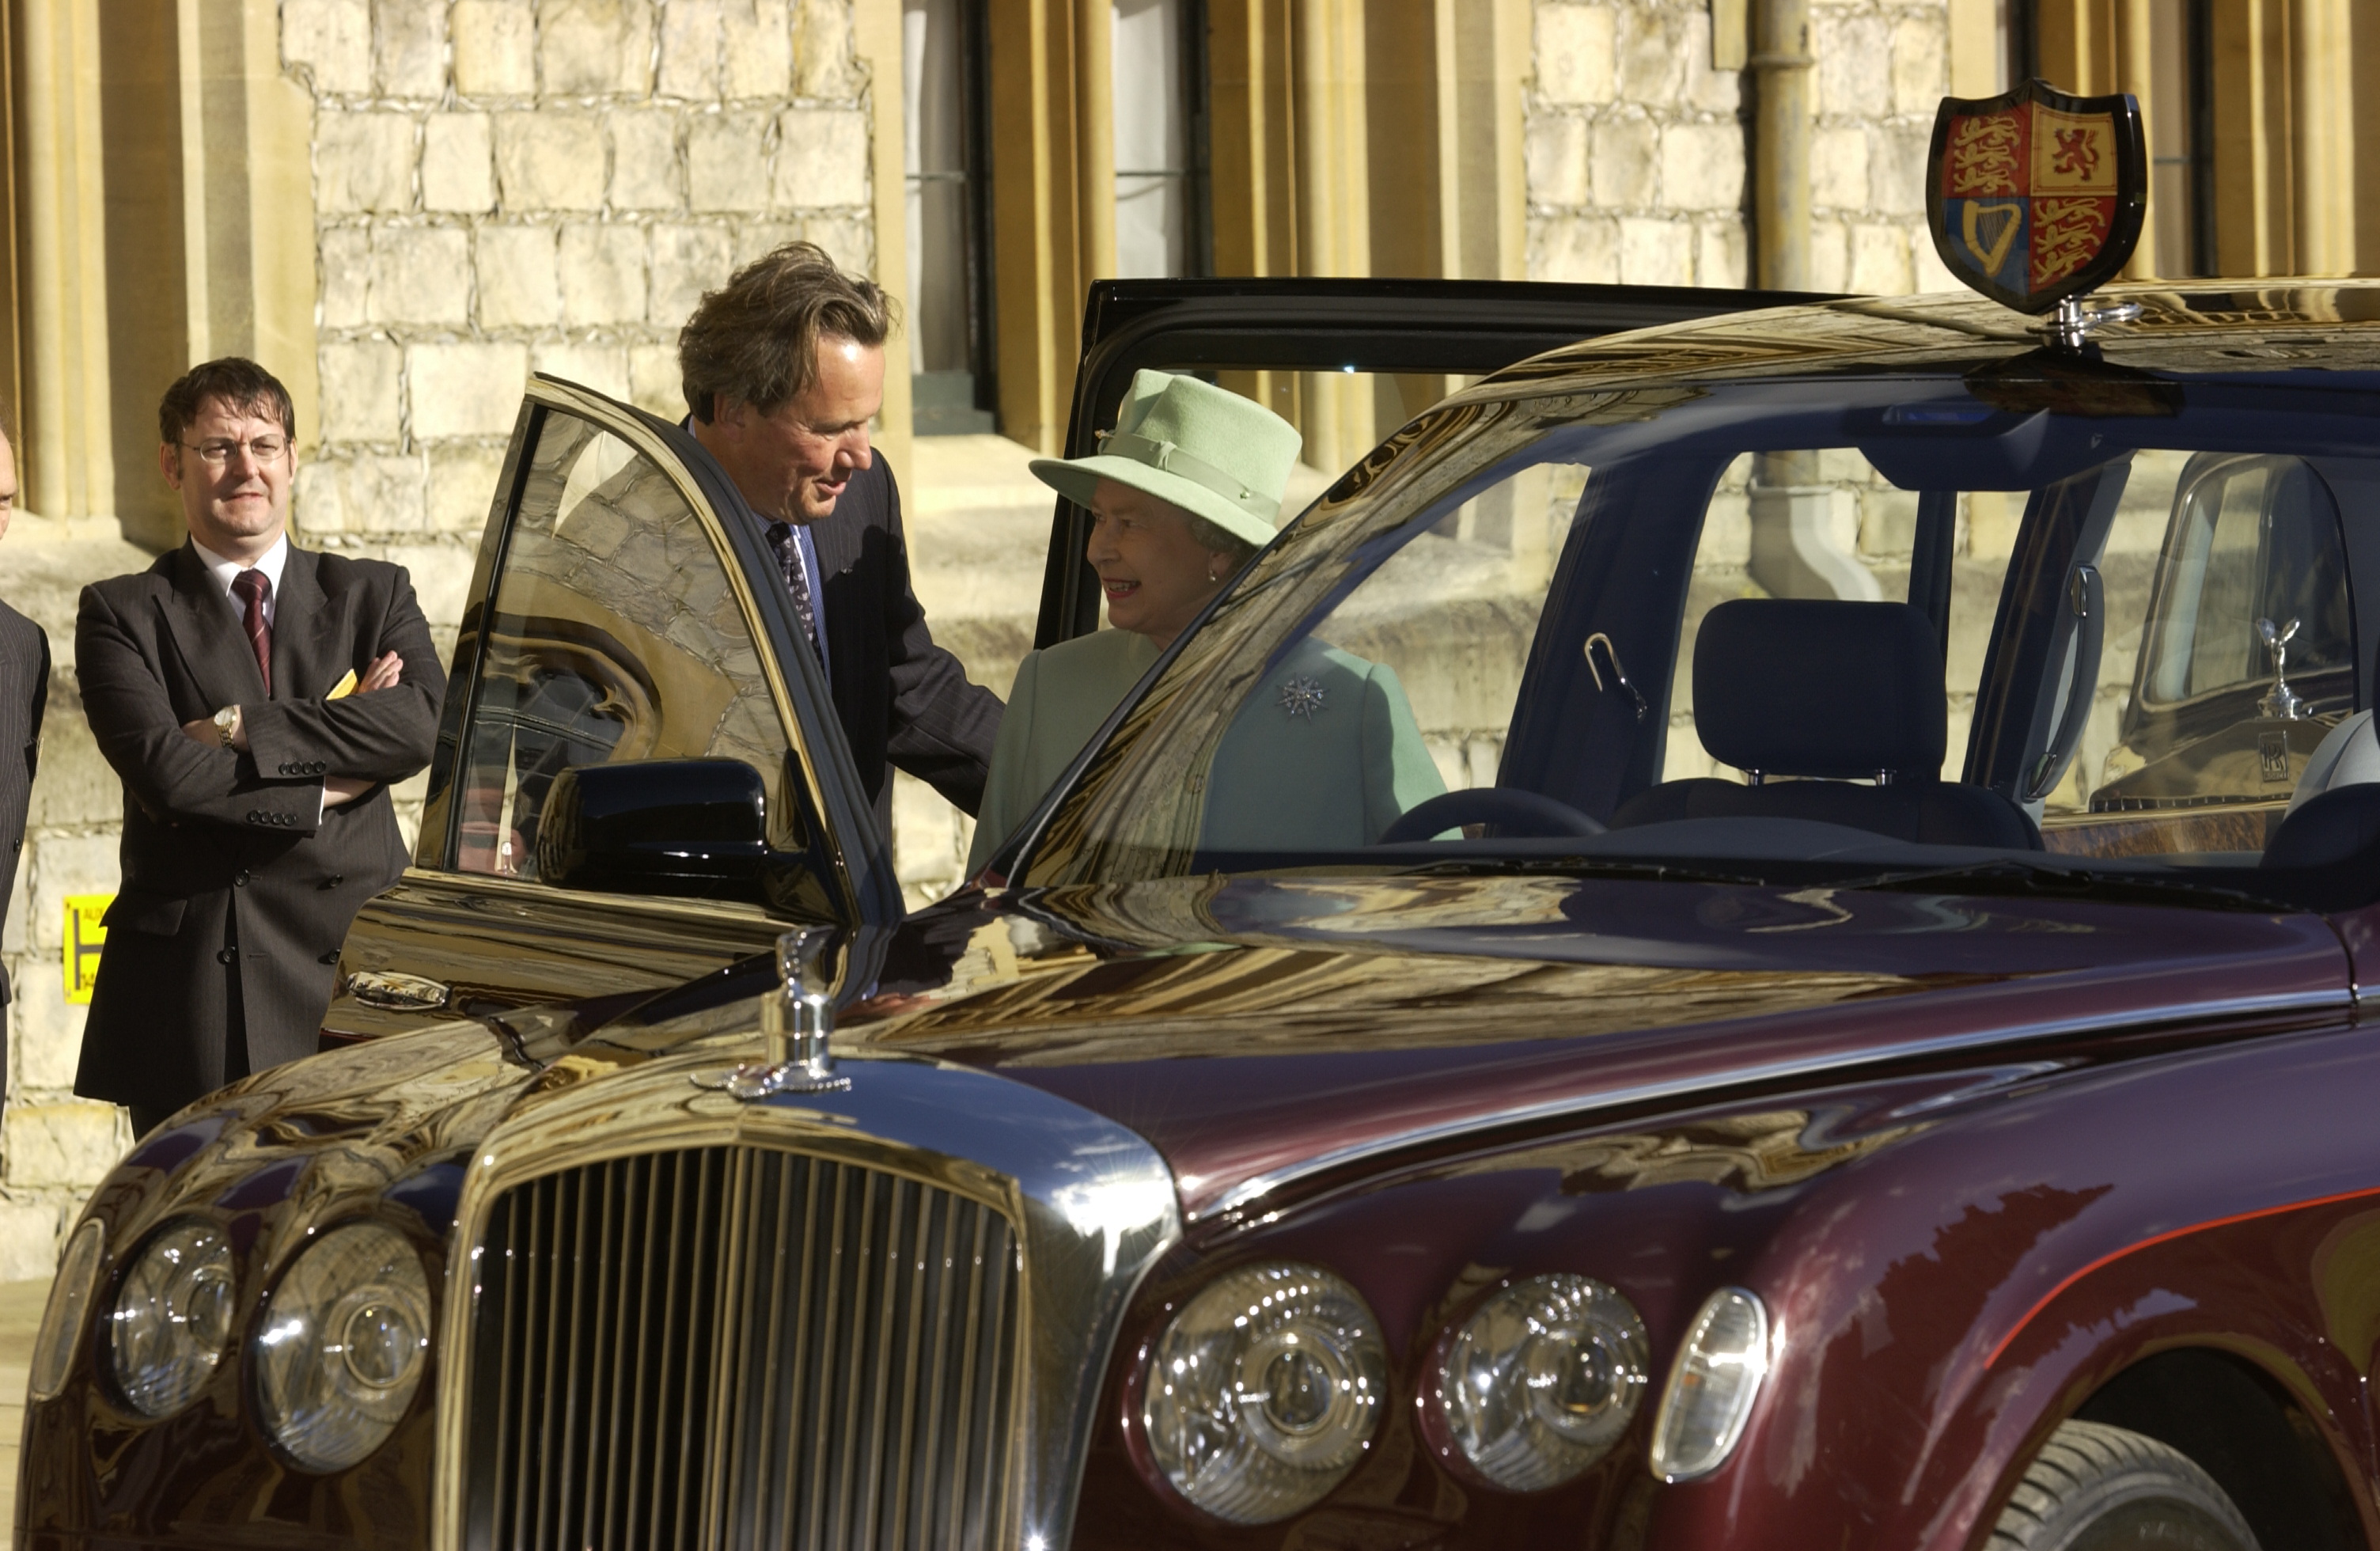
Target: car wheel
{"x":2094,"y":1487}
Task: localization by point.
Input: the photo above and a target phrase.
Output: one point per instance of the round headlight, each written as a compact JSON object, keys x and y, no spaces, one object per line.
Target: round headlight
{"x":173,"y":1317}
{"x":344,"y":1343}
{"x":1540,"y":1382}
{"x":1712,"y":1385}
{"x":62,"y":1318}
{"x":1262,"y":1394}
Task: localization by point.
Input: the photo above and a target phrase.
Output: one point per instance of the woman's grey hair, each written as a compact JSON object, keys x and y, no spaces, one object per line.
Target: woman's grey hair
{"x":1214,"y":540}
{"x":757,"y":338}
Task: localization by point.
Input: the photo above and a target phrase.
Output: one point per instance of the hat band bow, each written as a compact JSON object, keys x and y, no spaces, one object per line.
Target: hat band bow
{"x":1170,"y":457}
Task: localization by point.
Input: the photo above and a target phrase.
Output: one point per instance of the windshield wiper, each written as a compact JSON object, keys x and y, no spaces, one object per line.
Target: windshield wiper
{"x":2010,"y":876}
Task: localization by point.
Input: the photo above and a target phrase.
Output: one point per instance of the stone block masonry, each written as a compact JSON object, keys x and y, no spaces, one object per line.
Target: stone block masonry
{"x":509,"y":186}
{"x":1636,"y":150}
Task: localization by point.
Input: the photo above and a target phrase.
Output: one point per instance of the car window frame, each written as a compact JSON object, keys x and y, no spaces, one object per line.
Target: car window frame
{"x":847,"y":853}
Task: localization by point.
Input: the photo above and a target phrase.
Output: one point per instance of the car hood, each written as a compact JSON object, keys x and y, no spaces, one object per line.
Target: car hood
{"x":1261,"y":1030}
{"x":1268,"y":1034}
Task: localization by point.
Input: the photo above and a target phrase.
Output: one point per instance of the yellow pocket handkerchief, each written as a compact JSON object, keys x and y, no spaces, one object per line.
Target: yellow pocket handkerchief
{"x":345,"y":687}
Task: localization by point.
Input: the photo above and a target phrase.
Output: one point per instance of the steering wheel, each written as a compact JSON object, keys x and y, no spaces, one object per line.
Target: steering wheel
{"x":1512,"y":810}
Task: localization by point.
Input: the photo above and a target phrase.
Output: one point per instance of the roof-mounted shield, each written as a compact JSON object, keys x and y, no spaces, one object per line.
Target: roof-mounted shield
{"x":2034,"y":196}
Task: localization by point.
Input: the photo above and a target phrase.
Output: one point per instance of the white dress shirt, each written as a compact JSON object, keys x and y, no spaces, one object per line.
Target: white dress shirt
{"x":222,"y":571}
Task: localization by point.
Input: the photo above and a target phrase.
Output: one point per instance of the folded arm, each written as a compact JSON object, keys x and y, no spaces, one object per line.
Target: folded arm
{"x":170,"y":774}
{"x":373,"y":736}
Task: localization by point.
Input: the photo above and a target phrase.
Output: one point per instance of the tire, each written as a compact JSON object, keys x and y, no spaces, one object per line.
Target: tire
{"x":2094,"y":1487}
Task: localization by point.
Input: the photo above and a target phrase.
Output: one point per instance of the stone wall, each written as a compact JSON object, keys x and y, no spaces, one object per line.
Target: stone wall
{"x":503,"y":188}
{"x":1636,"y":146}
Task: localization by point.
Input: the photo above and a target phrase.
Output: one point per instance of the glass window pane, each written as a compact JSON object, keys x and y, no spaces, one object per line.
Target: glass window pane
{"x":1152,"y":127}
{"x":614,"y":635}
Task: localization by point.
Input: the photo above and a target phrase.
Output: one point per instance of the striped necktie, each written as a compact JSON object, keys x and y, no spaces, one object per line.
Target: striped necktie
{"x":786,"y":546}
{"x":253,"y":588}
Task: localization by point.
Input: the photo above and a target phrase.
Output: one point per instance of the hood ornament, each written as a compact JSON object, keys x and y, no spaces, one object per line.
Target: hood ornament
{"x":2280,"y":703}
{"x":797,"y":1020}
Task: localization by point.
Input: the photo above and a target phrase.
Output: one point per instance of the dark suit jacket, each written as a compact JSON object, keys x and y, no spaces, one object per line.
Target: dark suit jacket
{"x":232,"y":866}
{"x":24,"y":693}
{"x":903,"y":700}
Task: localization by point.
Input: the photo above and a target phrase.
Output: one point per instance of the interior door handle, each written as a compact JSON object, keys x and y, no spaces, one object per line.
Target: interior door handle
{"x":396,"y":993}
{"x":2087,"y":597}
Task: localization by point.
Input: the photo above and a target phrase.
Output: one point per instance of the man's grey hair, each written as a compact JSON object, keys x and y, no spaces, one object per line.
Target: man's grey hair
{"x":757,"y":338}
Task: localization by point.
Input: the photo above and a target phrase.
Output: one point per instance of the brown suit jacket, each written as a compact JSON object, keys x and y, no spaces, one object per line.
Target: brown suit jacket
{"x":239,"y":885}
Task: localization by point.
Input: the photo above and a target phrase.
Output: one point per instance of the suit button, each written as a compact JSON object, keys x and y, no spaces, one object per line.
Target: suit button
{"x":334,"y":880}
{"x":241,"y":880}
{"x":332,"y":957}
{"x":226,"y":955}
{"x":254,"y":816}
{"x":317,"y":768}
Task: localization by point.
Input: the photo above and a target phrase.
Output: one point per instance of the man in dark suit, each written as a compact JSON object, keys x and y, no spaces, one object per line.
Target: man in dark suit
{"x":784,"y":368}
{"x":24,"y":693}
{"x":257,"y":700}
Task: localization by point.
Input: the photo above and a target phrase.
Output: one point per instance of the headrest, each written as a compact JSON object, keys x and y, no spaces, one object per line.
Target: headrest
{"x":1815,"y":687}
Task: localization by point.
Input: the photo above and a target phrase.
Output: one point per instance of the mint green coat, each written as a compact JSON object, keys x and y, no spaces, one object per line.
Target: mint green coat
{"x":1332,"y":779}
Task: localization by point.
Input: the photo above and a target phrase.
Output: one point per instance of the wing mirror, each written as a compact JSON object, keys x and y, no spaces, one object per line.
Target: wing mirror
{"x":688,"y":827}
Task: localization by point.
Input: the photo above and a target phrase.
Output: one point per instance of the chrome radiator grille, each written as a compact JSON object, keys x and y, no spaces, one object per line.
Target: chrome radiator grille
{"x":739,"y":1347}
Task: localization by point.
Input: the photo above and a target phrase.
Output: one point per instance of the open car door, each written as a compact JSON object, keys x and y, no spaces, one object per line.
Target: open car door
{"x":639,"y":779}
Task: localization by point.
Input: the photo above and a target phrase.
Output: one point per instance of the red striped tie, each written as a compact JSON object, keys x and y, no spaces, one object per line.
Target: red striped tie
{"x":253,"y":588}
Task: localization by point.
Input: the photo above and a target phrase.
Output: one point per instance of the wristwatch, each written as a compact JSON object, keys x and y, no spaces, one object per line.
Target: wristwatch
{"x":227,"y":725}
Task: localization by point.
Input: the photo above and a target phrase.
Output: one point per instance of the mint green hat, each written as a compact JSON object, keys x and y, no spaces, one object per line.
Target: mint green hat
{"x":1204,"y":448}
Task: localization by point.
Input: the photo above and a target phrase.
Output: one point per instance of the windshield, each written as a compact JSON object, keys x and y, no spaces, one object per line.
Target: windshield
{"x":2025,"y":622}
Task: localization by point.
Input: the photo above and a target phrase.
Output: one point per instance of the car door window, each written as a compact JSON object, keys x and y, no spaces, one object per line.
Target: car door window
{"x":612,"y":634}
{"x":2252,"y":538}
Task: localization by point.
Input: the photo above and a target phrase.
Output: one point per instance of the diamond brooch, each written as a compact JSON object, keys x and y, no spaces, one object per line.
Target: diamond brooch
{"x":1302,"y":696}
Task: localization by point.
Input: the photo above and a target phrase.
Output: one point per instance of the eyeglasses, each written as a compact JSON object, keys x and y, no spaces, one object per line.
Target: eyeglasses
{"x":217,"y":452}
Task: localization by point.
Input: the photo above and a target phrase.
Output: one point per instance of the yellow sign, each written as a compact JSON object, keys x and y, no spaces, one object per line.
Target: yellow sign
{"x":85,"y":933}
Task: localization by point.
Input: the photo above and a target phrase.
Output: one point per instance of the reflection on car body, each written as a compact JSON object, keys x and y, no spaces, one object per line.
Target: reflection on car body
{"x":1786,"y":1161}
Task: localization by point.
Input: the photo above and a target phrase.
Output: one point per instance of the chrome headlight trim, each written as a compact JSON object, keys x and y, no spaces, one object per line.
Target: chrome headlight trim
{"x":1263,"y":1391}
{"x":1713,"y":1384}
{"x":173,"y":1316}
{"x":342,"y":1345}
{"x":1539,"y":1382}
{"x":63,"y":1316}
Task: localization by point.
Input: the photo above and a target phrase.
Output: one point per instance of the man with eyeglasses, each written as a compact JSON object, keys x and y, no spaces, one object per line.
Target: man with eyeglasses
{"x":258,"y":700}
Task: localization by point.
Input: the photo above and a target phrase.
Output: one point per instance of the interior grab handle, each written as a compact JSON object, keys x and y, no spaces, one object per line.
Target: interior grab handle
{"x":1618,"y":672}
{"x":2087,"y":597}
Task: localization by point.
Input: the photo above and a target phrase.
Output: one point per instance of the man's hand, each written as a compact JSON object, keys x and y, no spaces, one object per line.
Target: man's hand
{"x":337,"y":790}
{"x":204,"y":731}
{"x":385,"y":672}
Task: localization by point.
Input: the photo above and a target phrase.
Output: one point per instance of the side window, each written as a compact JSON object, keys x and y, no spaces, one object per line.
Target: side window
{"x":614,"y":635}
{"x":2252,"y":538}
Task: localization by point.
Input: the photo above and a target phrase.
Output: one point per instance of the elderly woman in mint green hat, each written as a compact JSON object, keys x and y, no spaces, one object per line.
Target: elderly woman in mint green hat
{"x":1181,"y":494}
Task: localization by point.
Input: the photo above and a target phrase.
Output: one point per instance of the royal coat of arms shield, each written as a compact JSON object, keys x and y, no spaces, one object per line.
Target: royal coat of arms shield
{"x":2034,"y":196}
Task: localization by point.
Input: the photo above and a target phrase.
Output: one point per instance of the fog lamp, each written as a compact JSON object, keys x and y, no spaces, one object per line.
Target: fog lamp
{"x":344,"y":1340}
{"x":1712,"y":1385}
{"x":62,"y":1317}
{"x":1263,"y":1392}
{"x":173,"y":1317}
{"x":1541,"y":1381}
